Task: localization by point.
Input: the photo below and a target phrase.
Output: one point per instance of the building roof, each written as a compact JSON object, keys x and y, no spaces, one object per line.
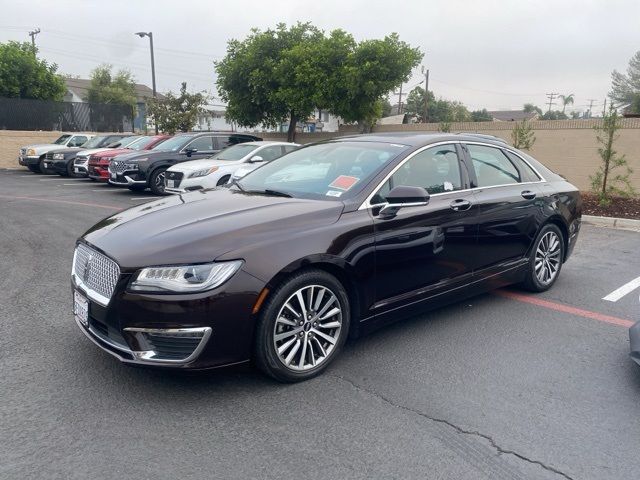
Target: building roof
{"x":80,"y":87}
{"x":512,"y":115}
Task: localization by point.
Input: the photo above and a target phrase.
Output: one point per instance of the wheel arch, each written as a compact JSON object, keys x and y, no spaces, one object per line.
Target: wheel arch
{"x":559,"y":222}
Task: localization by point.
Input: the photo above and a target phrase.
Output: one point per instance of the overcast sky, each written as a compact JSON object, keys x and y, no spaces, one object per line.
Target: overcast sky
{"x":493,"y":54}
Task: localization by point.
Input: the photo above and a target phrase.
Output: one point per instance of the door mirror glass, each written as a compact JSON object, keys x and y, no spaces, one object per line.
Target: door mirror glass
{"x":190,"y":151}
{"x":256,"y":158}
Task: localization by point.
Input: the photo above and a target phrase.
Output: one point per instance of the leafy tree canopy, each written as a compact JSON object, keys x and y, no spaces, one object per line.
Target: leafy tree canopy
{"x":175,"y":113}
{"x":438,"y":110}
{"x":108,"y":88}
{"x":625,"y":88}
{"x":23,"y":75}
{"x":285,"y":73}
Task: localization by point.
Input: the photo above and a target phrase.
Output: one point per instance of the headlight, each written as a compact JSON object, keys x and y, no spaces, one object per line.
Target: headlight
{"x":31,"y":152}
{"x":58,"y":156}
{"x":203,"y":172}
{"x":186,"y":278}
{"x":131,"y":166}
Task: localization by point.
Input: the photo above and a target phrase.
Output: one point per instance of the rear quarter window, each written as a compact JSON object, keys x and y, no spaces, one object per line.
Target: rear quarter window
{"x":528,"y":174}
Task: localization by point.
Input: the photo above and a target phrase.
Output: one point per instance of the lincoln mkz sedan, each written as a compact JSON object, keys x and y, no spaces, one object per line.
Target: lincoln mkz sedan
{"x":326,"y":242}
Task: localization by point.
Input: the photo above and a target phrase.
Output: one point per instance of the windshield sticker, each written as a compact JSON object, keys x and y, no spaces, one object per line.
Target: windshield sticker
{"x":333,"y":193}
{"x":344,"y":182}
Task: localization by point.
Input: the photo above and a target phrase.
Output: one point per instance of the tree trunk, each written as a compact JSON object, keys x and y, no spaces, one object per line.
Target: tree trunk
{"x":364,"y":126}
{"x":291,"y":132}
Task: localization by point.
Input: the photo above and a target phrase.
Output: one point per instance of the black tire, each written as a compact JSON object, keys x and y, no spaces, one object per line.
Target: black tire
{"x":156,"y":181}
{"x":33,"y":168}
{"x":223,"y":181}
{"x":136,"y":188}
{"x":70,"y":172}
{"x":267,"y":357}
{"x":41,"y":166}
{"x":554,"y":257}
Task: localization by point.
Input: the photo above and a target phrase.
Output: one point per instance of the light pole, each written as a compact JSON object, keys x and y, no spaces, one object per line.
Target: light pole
{"x":153,"y":66}
{"x":426,"y":92}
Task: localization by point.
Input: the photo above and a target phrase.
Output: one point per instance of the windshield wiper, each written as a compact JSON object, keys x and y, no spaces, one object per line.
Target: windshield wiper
{"x":276,"y":193}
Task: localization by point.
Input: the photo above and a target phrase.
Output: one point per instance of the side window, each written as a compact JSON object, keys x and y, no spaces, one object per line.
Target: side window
{"x":269,"y":153}
{"x":202,"y":144}
{"x":77,"y":141}
{"x":222,"y":142}
{"x":492,"y":166}
{"x":289,"y":148}
{"x":436,"y":169}
{"x":528,"y":174}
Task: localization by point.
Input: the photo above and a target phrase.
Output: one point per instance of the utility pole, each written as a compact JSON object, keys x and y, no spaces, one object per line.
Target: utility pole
{"x":551,"y":96}
{"x":399,"y":101}
{"x":33,"y":34}
{"x":426,"y":93}
{"x":591,"y":102}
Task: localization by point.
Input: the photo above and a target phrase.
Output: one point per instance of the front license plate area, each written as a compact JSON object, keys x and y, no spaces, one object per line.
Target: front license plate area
{"x":171,"y":183}
{"x":81,"y":308}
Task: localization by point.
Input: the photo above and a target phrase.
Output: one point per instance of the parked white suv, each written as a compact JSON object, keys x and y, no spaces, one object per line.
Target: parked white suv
{"x":217,"y":170}
{"x":32,"y":156}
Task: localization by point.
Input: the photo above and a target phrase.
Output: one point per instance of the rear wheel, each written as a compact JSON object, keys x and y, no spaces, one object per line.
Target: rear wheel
{"x":545,"y":261}
{"x":302,"y":327}
{"x":156,"y":181}
{"x":223,"y":181}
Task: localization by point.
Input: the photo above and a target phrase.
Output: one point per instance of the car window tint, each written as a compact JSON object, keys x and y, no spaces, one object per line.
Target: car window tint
{"x":269,"y":153}
{"x":436,"y":169}
{"x":202,"y":144}
{"x":492,"y":166}
{"x":77,"y":141}
{"x":527,"y":173}
{"x":289,"y":148}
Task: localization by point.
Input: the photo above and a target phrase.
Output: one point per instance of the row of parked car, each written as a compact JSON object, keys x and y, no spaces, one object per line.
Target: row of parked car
{"x":162,"y":163}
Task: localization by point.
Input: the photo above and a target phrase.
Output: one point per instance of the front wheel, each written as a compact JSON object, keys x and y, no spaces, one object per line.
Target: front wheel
{"x":302,"y":327}
{"x":545,"y":260}
{"x":156,"y":182}
{"x":223,"y":181}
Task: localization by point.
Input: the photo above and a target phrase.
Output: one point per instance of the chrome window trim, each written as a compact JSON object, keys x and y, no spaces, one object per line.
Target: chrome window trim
{"x":366,"y":205}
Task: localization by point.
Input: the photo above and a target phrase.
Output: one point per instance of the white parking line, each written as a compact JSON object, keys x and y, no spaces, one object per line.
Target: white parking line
{"x":618,"y":293}
{"x":143,"y":198}
{"x":73,"y":184}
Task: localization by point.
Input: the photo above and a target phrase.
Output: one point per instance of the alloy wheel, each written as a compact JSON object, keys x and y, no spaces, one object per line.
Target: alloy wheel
{"x":547,"y":260}
{"x":160,"y":181}
{"x":307,"y":328}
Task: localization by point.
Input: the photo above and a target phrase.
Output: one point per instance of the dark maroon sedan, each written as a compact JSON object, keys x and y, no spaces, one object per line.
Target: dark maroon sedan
{"x":328,"y":241}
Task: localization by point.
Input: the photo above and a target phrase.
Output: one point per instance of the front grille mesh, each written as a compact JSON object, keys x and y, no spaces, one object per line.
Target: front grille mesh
{"x":97,"y":271}
{"x":117,"y":167}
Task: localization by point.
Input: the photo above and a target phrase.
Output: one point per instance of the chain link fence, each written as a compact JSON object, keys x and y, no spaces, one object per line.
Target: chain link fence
{"x":28,"y":114}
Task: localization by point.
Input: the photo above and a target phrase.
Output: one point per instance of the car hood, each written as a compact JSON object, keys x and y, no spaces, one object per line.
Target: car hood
{"x":193,"y":165}
{"x":150,"y":154}
{"x":117,"y":151}
{"x":201,"y":226}
{"x":46,"y":147}
{"x":90,"y":151}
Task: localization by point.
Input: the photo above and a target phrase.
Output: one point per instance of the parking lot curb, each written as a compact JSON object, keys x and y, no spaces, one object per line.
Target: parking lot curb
{"x":612,"y":222}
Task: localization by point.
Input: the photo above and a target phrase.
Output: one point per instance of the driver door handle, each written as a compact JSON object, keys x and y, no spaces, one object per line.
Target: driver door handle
{"x":460,"y":205}
{"x":528,"y":194}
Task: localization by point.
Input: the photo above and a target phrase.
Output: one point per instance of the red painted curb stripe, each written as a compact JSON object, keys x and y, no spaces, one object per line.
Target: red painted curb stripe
{"x":68,"y":202}
{"x":559,"y":307}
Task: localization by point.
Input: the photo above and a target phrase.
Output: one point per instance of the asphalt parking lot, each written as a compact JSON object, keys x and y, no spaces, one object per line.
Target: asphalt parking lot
{"x":507,"y":385}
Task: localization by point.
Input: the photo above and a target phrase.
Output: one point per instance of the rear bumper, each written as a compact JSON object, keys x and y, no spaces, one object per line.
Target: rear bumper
{"x":634,"y":339}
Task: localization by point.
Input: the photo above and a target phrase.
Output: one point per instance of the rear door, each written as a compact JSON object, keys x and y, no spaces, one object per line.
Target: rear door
{"x":508,"y":206}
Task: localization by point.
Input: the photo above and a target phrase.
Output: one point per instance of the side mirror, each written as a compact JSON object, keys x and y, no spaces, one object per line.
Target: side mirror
{"x":401,"y":197}
{"x":256,"y":158}
{"x":190,"y":151}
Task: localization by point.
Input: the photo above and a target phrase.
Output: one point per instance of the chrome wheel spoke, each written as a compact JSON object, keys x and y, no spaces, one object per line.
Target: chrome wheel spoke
{"x":307,"y":327}
{"x":547,"y":257}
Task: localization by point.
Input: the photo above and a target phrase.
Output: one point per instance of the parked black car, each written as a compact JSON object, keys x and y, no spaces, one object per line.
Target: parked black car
{"x":332,"y":239}
{"x":62,"y":161}
{"x":142,"y":170}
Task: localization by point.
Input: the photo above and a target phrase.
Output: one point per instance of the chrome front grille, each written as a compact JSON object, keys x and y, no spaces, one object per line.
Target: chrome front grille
{"x":49,"y":156}
{"x":117,"y":167}
{"x":23,"y":151}
{"x":97,"y":273}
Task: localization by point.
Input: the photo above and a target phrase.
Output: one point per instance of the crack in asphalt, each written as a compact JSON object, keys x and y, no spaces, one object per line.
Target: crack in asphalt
{"x":458,"y":429}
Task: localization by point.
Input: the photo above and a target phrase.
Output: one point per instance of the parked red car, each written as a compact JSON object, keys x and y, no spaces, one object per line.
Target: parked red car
{"x":99,"y":163}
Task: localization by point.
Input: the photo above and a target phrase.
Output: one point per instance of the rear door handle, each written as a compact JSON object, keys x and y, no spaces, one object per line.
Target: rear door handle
{"x":528,"y":194}
{"x":460,"y":205}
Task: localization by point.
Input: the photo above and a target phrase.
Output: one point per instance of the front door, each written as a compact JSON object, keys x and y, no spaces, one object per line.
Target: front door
{"x":424,"y":250}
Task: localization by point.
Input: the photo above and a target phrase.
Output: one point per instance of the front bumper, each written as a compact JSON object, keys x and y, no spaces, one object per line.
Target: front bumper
{"x":150,"y":329}
{"x":59,"y":166}
{"x":127,"y":178}
{"x":634,"y":339}
{"x":80,"y":167}
{"x":26,"y":161}
{"x":99,"y":172}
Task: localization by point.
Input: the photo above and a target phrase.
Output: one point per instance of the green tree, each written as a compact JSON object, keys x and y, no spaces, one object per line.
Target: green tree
{"x":23,"y":75}
{"x":177,"y":113}
{"x":481,"y":116}
{"x":117,"y":89}
{"x":284,"y":74}
{"x":531,"y":108}
{"x":439,"y":110}
{"x":554,"y":115}
{"x":626,"y":87}
{"x":566,"y":100}
{"x":604,"y":183}
{"x":523,"y":136}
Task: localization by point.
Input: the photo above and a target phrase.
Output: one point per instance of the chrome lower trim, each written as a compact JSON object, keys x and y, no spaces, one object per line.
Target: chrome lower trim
{"x":92,"y":295}
{"x":131,"y":181}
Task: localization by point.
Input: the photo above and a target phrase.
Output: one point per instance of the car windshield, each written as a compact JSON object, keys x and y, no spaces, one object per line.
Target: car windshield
{"x":327,"y":171}
{"x":235,"y":153}
{"x":173,"y":144}
{"x":94,"y":142}
{"x":126,"y":142}
{"x":140,"y":143}
{"x":62,"y":139}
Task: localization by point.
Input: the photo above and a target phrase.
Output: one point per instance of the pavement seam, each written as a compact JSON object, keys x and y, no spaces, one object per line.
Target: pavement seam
{"x":460,"y":430}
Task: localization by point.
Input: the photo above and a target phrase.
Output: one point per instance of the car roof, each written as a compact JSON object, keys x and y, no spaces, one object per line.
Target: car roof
{"x":417,"y":139}
{"x":268,"y":142}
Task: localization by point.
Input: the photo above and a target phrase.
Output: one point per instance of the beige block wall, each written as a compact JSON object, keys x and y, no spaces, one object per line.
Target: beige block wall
{"x":11,"y":141}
